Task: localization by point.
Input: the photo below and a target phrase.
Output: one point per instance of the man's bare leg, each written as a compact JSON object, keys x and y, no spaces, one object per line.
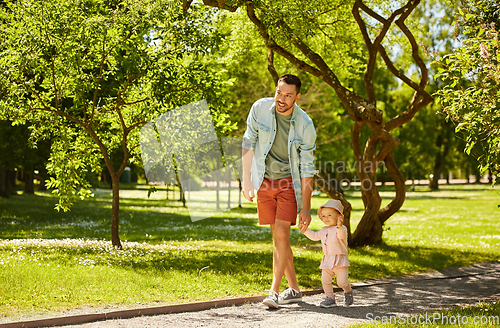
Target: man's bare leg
{"x":282,"y":256}
{"x":290,"y":275}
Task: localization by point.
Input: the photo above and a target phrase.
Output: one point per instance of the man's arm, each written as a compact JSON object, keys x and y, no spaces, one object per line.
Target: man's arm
{"x":305,"y":212}
{"x":249,"y":140}
{"x":307,"y":171}
{"x":247,"y":186}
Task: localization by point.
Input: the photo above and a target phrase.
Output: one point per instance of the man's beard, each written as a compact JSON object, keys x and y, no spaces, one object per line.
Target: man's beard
{"x":283,"y":109}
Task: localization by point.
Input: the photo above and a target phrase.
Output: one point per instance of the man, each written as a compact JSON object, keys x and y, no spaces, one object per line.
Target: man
{"x":278,"y":162}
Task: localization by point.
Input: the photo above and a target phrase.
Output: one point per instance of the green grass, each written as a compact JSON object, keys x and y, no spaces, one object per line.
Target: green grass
{"x":52,"y":261}
{"x":480,"y":315}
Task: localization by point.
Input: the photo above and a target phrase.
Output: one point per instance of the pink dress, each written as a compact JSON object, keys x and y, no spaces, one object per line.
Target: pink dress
{"x":334,"y":245}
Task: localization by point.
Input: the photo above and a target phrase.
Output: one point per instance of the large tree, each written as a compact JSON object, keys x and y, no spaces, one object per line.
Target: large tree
{"x":92,"y":72}
{"x":472,"y":71}
{"x":341,"y":39}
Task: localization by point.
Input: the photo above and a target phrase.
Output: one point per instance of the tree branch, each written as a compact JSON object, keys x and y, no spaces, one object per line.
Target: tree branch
{"x":387,"y":145}
{"x":414,"y":51}
{"x":134,"y":101}
{"x":136,"y":124}
{"x":373,"y":46}
{"x":270,"y":66}
{"x":186,"y":4}
{"x":372,"y":55}
{"x":275,"y":47}
{"x":323,"y":72}
{"x":377,"y":46}
{"x":220,"y":4}
{"x":356,"y":144}
{"x":101,"y":67}
{"x":57,"y":93}
{"x":421,"y":98}
{"x":396,"y":72}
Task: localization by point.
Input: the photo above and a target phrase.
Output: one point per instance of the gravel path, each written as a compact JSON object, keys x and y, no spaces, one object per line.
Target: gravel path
{"x":410,"y":295}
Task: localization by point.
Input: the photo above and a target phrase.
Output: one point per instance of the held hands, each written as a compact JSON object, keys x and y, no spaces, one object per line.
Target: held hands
{"x":248,"y":190}
{"x":304,"y":219}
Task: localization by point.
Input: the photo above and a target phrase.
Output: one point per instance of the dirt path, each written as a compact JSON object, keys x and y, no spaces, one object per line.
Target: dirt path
{"x":411,"y":295}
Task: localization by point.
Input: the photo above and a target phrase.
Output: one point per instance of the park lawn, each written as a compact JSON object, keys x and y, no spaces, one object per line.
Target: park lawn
{"x":52,"y":261}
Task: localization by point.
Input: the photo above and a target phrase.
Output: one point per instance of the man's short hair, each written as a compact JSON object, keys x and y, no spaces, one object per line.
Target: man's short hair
{"x":292,"y":80}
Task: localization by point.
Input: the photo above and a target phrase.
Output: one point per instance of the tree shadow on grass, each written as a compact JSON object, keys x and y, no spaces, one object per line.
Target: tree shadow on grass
{"x":414,"y":197}
{"x":395,"y":260}
{"x":376,"y":262}
{"x":33,"y":216}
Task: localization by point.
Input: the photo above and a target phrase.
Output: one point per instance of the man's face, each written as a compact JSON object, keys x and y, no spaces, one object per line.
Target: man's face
{"x":285,"y":97}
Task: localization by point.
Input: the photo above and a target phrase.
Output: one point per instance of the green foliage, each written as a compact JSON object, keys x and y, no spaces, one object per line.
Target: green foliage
{"x":415,"y":155}
{"x":472,"y":72}
{"x":327,"y":27}
{"x":90,"y":73}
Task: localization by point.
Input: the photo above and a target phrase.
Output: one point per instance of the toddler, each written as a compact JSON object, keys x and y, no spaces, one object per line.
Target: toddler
{"x":333,"y":238}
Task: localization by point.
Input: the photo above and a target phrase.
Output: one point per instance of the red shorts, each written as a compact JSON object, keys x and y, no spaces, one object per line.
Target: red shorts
{"x":276,"y":200}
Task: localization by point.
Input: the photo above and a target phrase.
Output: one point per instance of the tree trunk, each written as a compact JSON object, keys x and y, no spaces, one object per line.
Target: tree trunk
{"x":400,"y":187}
{"x":3,"y":183}
{"x":182,"y":196}
{"x":29,"y":187}
{"x":42,"y":176}
{"x":115,"y":210}
{"x":369,"y":229}
{"x":241,"y":190}
{"x":217,"y":190}
{"x":478,"y":176}
{"x":443,"y":143}
{"x":436,"y":173}
{"x":11,"y":182}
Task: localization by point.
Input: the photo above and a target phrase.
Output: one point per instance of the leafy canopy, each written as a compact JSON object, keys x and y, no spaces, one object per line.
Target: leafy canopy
{"x":471,"y":98}
{"x":89,"y":73}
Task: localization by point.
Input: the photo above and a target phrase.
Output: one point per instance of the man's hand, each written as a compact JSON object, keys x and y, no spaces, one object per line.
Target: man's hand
{"x":248,"y":190}
{"x":304,"y":219}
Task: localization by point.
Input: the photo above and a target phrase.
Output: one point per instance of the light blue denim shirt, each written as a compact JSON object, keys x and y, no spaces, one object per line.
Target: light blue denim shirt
{"x":259,"y":137}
